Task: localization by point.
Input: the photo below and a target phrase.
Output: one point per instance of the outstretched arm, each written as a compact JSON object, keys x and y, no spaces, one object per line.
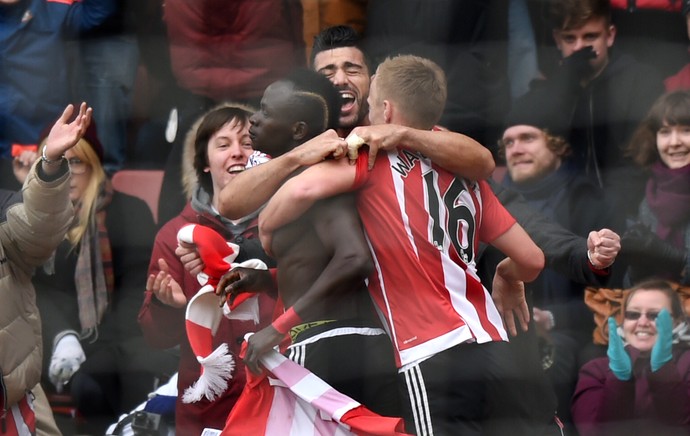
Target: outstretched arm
{"x":457,"y":153}
{"x":298,"y":194}
{"x":63,"y":136}
{"x":252,"y":188}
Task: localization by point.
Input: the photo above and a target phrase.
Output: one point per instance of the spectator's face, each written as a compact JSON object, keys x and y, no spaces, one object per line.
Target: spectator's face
{"x":647,"y":303}
{"x":78,"y":182}
{"x":271,"y":128}
{"x":595,"y":33}
{"x":528,"y":157}
{"x":673,"y":144}
{"x":346,"y":69}
{"x":228,"y":151}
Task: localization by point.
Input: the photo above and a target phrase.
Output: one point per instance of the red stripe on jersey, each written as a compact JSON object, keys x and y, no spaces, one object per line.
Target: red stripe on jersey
{"x":10,"y":425}
{"x":65,"y":2}
{"x":477,"y":295}
{"x":496,"y":220}
{"x":28,"y":414}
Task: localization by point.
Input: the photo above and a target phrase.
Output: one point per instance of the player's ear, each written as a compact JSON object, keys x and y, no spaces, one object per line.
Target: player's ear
{"x":299,"y":131}
{"x":388,"y":110}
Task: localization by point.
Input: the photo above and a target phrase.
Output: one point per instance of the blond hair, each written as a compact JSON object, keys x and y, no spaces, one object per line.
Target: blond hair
{"x":417,"y":86}
{"x":86,"y":154}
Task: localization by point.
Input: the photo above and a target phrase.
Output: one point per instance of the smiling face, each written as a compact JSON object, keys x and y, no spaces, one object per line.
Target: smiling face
{"x":641,"y":333}
{"x":528,"y":157}
{"x":346,"y":68}
{"x":228,"y":151}
{"x":595,"y":33}
{"x":673,"y":144}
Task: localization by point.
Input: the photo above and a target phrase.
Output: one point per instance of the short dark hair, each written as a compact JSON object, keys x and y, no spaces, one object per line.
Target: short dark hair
{"x":212,"y":122}
{"x":337,"y":37}
{"x":573,"y":14}
{"x":321,"y":99}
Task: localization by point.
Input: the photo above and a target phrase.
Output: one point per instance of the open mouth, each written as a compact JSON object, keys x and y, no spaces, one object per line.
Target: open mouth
{"x":236,"y":169}
{"x":348,"y":100}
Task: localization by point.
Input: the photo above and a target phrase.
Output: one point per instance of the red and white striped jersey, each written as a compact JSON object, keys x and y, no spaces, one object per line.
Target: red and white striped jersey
{"x":423,"y":227}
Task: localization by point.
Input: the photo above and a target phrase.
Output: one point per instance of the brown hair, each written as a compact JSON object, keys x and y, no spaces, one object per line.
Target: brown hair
{"x":417,"y":85}
{"x":212,"y":123}
{"x":573,"y":14}
{"x":557,"y":144}
{"x":663,"y":286}
{"x":673,"y":109}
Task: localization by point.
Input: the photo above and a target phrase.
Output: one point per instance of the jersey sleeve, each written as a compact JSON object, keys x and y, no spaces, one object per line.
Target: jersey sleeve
{"x":496,"y":220}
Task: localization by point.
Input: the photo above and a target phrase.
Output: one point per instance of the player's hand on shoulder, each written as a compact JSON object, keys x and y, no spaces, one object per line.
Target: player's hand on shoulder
{"x":321,"y":147}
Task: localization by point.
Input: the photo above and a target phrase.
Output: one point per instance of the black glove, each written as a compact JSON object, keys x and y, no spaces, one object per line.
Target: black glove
{"x":250,"y":248}
{"x":576,"y":66}
{"x":648,"y":255}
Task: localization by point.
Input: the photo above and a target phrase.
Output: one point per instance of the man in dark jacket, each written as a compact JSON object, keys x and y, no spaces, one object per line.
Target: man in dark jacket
{"x":604,"y":95}
{"x":540,"y":169}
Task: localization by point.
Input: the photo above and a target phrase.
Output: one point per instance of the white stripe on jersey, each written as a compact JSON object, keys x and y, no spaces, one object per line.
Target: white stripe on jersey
{"x":471,"y":316}
{"x":421,"y":352}
{"x":399,"y":184}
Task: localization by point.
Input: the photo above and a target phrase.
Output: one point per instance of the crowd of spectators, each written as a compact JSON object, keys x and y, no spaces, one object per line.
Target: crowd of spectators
{"x":584,"y":103}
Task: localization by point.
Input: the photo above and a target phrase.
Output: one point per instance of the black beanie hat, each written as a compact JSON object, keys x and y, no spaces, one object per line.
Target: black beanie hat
{"x":540,"y":114}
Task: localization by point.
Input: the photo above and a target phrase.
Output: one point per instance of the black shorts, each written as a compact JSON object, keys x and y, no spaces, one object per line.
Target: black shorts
{"x":460,"y":391}
{"x":354,"y":359}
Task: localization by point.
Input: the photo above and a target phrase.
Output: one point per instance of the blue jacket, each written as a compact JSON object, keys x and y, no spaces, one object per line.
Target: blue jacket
{"x":35,"y":64}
